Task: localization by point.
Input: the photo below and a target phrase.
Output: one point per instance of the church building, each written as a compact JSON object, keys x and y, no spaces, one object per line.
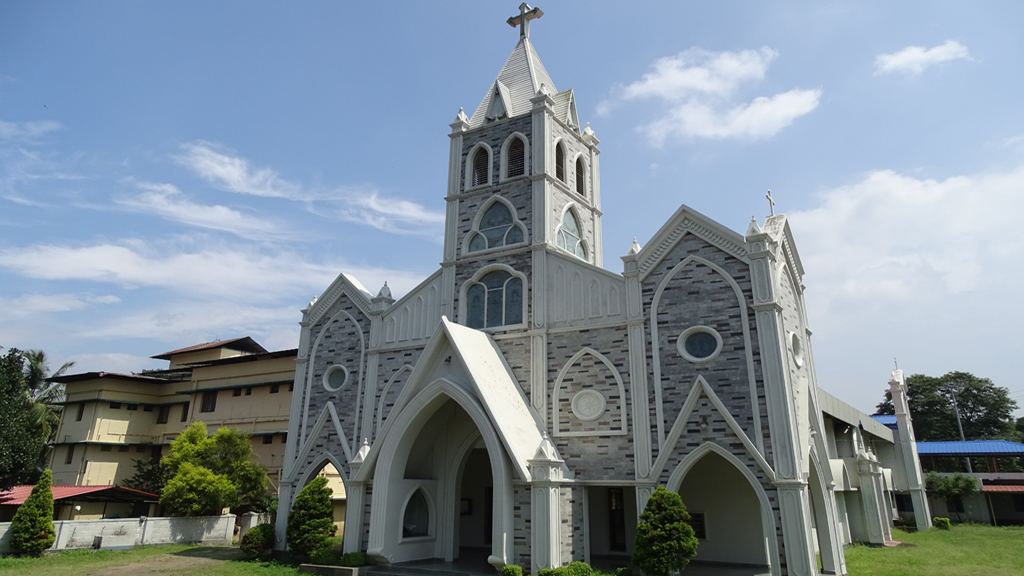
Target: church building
{"x":525,"y":400}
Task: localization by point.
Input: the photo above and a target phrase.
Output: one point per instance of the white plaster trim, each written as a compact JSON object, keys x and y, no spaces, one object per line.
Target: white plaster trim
{"x":555,"y":393}
{"x":318,"y":465}
{"x":767,"y":514}
{"x":476,"y":278}
{"x":572,"y":206}
{"x":331,"y":412}
{"x":468,"y":168}
{"x":384,"y":392}
{"x":503,"y":169}
{"x":342,"y":285}
{"x":747,"y":348}
{"x":475,"y":228}
{"x":681,"y":343}
{"x":311,"y":369}
{"x":700,"y":386}
{"x":327,"y":377}
{"x":687,"y":220}
{"x":586,"y":170}
{"x":554,"y":162}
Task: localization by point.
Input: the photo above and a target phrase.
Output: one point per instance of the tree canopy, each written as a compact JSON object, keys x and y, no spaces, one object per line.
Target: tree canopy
{"x":23,"y":437}
{"x":204,"y":474}
{"x":665,"y":542}
{"x":986,"y":410}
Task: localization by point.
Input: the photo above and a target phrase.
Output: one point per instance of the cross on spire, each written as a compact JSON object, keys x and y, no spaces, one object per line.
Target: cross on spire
{"x":523,"y":20}
{"x":771,"y":201}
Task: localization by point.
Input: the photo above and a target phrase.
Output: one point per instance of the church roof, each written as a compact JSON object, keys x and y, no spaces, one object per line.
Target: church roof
{"x":519,"y":80}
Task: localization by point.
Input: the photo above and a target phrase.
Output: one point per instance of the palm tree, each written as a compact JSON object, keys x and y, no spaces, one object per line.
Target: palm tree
{"x":43,"y":396}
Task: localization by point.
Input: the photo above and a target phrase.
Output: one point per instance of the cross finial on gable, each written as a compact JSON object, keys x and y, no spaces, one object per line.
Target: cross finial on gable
{"x":523,"y":20}
{"x":771,"y":201}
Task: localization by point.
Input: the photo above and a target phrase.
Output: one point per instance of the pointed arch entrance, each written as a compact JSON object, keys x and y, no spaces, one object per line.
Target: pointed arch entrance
{"x":327,"y":466}
{"x":442,"y":436}
{"x":729,"y":509}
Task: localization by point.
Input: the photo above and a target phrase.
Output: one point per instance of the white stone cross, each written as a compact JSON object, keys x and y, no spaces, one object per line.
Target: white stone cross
{"x":523,"y":20}
{"x":771,"y":201}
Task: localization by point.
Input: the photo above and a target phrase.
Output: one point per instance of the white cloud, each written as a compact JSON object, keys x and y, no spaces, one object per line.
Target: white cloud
{"x":235,"y":174}
{"x":214,"y":271}
{"x":166,"y":201}
{"x":26,"y":130}
{"x":915,"y":59}
{"x":698,"y":91}
{"x":29,"y":304}
{"x":760,"y":119}
{"x":392,"y":214}
{"x":113,"y":362}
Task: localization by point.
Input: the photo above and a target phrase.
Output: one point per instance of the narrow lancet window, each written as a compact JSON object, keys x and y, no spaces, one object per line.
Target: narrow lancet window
{"x":569,"y":237}
{"x":417,"y":516}
{"x":560,"y":162}
{"x":516,"y":158}
{"x":481,"y":164}
{"x":581,"y":187}
{"x":495,"y":300}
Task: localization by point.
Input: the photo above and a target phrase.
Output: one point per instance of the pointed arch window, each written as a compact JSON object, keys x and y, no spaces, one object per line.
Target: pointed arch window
{"x":495,"y":300}
{"x":516,"y":158}
{"x":497,"y":228}
{"x":560,"y":162}
{"x":581,"y":183}
{"x":569,"y":237}
{"x":481,"y":166}
{"x":416,"y":520}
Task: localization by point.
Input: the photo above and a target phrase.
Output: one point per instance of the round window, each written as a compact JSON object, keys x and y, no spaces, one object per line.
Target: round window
{"x":335,"y":377}
{"x":798,"y":350}
{"x":699,"y":344}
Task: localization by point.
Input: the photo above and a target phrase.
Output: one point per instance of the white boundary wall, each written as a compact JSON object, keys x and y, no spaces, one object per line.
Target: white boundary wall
{"x":128,"y":532}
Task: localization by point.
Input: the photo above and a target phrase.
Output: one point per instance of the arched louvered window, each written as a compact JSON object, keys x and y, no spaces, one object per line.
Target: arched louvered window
{"x":495,"y":300}
{"x":516,"y":158}
{"x":560,"y":162}
{"x":416,"y":520}
{"x":497,"y":228}
{"x":481,"y":164}
{"x":569,"y":237}
{"x":581,"y":183}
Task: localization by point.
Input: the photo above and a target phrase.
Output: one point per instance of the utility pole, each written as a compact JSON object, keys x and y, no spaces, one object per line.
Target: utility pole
{"x":961,"y":428}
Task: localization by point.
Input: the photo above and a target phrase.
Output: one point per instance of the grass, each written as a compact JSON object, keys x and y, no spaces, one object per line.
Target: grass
{"x":164,"y":560}
{"x":965,"y":550}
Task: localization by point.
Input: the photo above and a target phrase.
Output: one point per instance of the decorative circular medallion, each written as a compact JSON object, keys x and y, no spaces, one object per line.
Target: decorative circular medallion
{"x":335,"y":377}
{"x":588,"y":405}
{"x":699,"y":344}
{"x":798,"y":349}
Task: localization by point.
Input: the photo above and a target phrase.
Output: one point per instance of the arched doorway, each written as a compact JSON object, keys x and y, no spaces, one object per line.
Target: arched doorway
{"x":441,"y":445}
{"x":727,"y":511}
{"x":326,"y":468}
{"x":474,"y":520}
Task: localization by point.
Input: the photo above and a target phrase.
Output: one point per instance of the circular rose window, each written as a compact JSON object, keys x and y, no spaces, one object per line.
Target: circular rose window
{"x":335,"y":377}
{"x":588,"y":405}
{"x":699,"y":344}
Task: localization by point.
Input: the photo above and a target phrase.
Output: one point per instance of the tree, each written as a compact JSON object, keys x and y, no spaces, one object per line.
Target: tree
{"x":664,"y":541}
{"x":150,"y":476}
{"x":985,"y":409}
{"x":32,"y":526}
{"x":22,"y":442}
{"x":224,"y":459}
{"x":949,"y":488}
{"x":311,"y":521}
{"x":44,"y":394}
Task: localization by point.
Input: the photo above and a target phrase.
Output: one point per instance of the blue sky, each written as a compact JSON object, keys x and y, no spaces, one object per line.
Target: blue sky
{"x":177,"y":172}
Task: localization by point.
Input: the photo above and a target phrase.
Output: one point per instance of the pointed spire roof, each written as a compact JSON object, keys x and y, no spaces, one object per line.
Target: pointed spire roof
{"x":518,"y":81}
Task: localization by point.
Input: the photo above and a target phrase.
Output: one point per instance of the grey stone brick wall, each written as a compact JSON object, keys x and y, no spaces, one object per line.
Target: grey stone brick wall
{"x":521,"y":540}
{"x":517,"y":353}
{"x":572,"y":518}
{"x":391,"y":363}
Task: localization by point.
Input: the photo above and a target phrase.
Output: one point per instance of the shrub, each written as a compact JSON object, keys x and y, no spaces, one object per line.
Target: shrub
{"x":545,"y":571}
{"x":941,"y":523}
{"x":664,"y":541}
{"x":353,"y":559}
{"x":311,"y":521}
{"x":511,"y":570}
{"x":579,"y":569}
{"x":329,"y":556}
{"x":624,"y":571}
{"x":259,"y":541}
{"x":32,"y":526}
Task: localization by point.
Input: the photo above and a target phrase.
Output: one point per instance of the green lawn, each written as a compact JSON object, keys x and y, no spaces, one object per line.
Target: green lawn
{"x":966,"y":550}
{"x":164,"y":560}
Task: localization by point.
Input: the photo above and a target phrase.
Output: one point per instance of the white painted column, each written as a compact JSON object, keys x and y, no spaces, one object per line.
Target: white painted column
{"x":908,"y":450}
{"x":545,"y":508}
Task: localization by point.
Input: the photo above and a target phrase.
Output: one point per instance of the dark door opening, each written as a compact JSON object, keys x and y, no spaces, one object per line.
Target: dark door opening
{"x":616,"y":521}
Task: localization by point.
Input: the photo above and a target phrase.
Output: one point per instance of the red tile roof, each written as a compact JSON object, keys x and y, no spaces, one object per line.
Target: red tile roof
{"x":245,"y":344}
{"x":1002,"y":488}
{"x":17,"y":495}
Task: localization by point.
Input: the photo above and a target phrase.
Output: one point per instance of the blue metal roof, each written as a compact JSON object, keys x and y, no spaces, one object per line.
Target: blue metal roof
{"x":971,"y":447}
{"x":887,"y":420}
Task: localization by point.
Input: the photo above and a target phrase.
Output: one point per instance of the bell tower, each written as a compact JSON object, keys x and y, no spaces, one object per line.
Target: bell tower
{"x":523,"y":180}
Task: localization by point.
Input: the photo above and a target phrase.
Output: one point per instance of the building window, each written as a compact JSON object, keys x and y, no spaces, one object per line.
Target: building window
{"x":161,"y":417}
{"x":516,"y":158}
{"x":248,"y":391}
{"x":284,"y":438}
{"x":105,"y":448}
{"x":495,"y":300}
{"x":184,"y":411}
{"x":275,"y":388}
{"x":147,"y":407}
{"x":497,"y":228}
{"x":81,"y":412}
{"x":236,"y":392}
{"x":569,"y":237}
{"x":481,"y":166}
{"x":70,"y":455}
{"x":115,"y":405}
{"x":291,"y":386}
{"x":209,"y":401}
{"x":560,"y":162}
{"x":1018,"y":502}
{"x":268,"y":439}
{"x":140,"y":449}
{"x":581,"y":181}
{"x":955,"y":505}
{"x":123,"y":448}
{"x":131,"y":407}
{"x":697,"y":523}
{"x":417,"y":516}
{"x":699,"y":344}
{"x":155,"y":452}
